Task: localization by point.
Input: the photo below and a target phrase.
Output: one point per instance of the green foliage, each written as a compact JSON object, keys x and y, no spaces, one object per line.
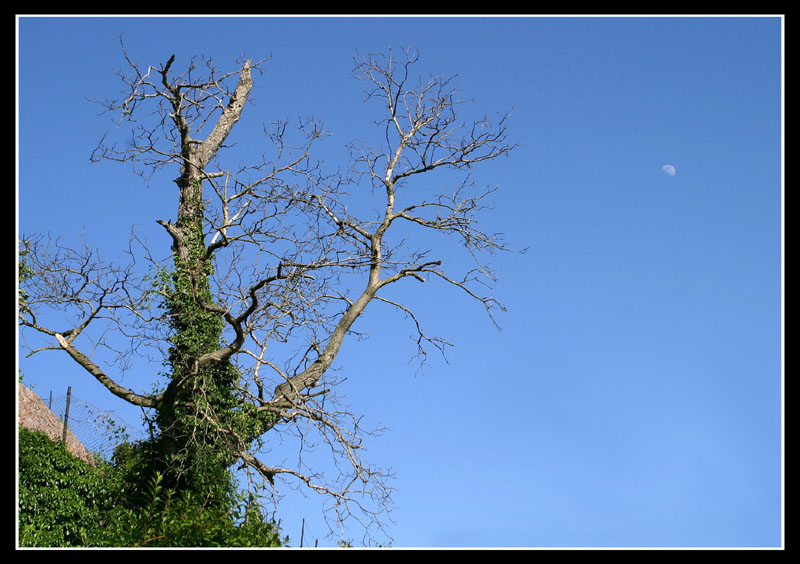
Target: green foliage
{"x":133,"y":463}
{"x":24,"y":271}
{"x":59,"y":494}
{"x":167,"y":519}
{"x":193,"y":425}
{"x":158,"y":280}
{"x":65,"y":502}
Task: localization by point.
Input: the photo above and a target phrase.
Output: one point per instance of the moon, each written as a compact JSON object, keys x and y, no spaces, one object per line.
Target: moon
{"x":669,"y":169}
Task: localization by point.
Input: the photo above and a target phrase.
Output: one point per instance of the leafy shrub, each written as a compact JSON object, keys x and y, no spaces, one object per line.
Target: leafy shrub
{"x":60,"y":494}
{"x":64,"y":501}
{"x":166,"y":519}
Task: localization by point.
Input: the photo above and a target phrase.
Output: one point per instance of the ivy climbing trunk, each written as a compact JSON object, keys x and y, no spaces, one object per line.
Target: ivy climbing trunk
{"x":196,"y":447}
{"x":192,"y":446}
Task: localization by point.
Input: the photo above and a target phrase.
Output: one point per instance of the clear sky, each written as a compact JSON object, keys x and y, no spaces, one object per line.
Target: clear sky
{"x":633,"y":395}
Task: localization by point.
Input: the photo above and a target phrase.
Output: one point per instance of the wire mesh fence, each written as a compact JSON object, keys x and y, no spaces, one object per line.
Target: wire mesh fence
{"x":98,"y":429}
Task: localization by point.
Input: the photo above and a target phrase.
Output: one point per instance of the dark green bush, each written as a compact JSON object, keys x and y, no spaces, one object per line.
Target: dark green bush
{"x":65,"y":502}
{"x":60,"y":494}
{"x":166,"y":519}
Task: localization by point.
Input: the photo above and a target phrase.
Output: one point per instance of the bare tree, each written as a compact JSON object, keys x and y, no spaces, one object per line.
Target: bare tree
{"x":275,"y":261}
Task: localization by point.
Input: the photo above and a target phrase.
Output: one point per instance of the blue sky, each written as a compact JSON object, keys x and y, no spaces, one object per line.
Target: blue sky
{"x":633,"y":395}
